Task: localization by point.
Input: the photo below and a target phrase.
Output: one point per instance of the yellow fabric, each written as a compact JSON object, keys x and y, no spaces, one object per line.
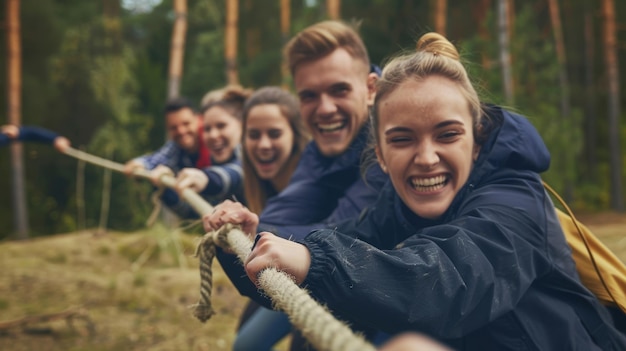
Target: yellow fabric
{"x":611,"y":268}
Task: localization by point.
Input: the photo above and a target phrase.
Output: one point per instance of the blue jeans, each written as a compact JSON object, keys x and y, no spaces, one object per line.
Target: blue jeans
{"x":262,"y":330}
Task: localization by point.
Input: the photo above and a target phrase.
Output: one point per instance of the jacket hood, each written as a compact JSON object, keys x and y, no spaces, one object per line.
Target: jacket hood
{"x":514,"y":143}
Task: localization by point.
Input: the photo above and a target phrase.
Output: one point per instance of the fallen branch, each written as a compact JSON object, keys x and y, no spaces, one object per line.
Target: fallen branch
{"x":26,"y":323}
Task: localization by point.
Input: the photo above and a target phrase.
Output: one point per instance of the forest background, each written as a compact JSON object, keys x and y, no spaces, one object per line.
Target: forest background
{"x":96,"y":72}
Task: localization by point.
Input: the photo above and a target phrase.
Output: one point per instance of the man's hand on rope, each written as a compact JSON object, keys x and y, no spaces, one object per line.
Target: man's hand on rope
{"x":131,"y":166}
{"x":233,"y":213}
{"x":158,"y":172}
{"x":192,"y":178}
{"x":271,"y":251}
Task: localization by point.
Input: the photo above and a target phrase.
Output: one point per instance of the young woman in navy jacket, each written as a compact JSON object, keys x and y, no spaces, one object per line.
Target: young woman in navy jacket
{"x":464,"y":244}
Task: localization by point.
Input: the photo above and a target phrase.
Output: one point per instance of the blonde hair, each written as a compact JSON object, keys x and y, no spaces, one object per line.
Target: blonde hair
{"x":322,"y":39}
{"x":435,"y":55}
{"x":211,"y":97}
{"x":257,"y":190}
{"x":231,"y":98}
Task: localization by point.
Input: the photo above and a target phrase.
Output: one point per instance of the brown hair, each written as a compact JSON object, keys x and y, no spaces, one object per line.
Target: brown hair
{"x":323,"y":38}
{"x":256,"y":189}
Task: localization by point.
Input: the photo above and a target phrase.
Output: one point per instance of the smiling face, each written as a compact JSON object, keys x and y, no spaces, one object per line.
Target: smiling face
{"x":182,"y":128}
{"x":222,"y":133}
{"x":268,"y":141}
{"x":335,"y":92}
{"x":426,"y":143}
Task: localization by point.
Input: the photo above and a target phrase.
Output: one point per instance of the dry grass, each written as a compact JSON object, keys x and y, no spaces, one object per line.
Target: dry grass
{"x":133,"y":304}
{"x":135,"y":289}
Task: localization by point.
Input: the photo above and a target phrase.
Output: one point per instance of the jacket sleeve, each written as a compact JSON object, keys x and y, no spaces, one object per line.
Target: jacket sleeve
{"x":36,"y":134}
{"x":4,"y":139}
{"x":313,"y":202}
{"x":166,"y":155}
{"x":181,"y":208}
{"x":447,"y":279}
{"x":237,"y":275}
{"x":224,"y":180}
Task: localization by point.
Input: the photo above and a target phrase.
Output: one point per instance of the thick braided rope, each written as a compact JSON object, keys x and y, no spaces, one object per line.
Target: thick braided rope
{"x":317,"y":324}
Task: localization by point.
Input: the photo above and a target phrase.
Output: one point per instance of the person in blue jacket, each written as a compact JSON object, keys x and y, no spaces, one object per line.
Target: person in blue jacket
{"x":10,"y":133}
{"x":221,"y":133}
{"x":464,"y":245}
{"x":334,"y":82}
{"x":274,"y":137}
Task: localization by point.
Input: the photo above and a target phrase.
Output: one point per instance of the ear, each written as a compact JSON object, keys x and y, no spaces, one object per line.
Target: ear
{"x":380,"y":159}
{"x":371,"y":88}
{"x":476,"y":152}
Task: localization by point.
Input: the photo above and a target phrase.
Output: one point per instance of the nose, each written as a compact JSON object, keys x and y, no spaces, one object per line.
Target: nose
{"x":326,"y":106}
{"x":265,"y":142}
{"x":212,"y":133}
{"x":426,"y":155}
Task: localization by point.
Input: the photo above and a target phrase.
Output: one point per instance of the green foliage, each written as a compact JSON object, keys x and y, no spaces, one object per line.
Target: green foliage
{"x":537,"y":92}
{"x":103,"y":82}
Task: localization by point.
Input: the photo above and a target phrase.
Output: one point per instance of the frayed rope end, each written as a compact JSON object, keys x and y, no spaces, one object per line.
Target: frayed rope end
{"x":202,"y":312}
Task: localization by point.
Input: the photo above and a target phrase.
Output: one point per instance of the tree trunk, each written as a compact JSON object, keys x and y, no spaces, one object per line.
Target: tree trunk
{"x":177,"y":49}
{"x":505,"y":55}
{"x":441,"y":8}
{"x":232,"y":18}
{"x":479,"y":13}
{"x":285,"y":26}
{"x":612,"y":75}
{"x":590,"y":115}
{"x":333,"y":7}
{"x":14,"y":106}
{"x":561,"y":57}
{"x":557,"y":29}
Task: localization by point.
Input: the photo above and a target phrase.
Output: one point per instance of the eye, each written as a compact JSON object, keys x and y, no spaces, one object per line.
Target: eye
{"x":275,"y":133}
{"x":340,"y":89}
{"x":398,"y":139}
{"x":450,"y":135}
{"x":254,"y":134}
{"x":221,"y":126}
{"x":306,"y":96}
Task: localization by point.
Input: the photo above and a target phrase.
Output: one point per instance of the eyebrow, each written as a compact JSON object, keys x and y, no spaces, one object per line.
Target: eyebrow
{"x":437,"y":126}
{"x":340,"y":84}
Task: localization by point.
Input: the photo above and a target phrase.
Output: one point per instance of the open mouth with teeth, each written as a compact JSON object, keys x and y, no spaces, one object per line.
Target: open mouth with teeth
{"x":331,"y":127}
{"x":429,"y":184}
{"x":217,"y":149}
{"x":266,"y":160}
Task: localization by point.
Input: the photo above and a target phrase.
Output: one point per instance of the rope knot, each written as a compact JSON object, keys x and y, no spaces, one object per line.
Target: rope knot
{"x":205,"y":251}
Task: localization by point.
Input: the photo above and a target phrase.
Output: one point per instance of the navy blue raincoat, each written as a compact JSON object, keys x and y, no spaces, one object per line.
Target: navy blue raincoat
{"x":494,"y":273}
{"x":322,"y":192}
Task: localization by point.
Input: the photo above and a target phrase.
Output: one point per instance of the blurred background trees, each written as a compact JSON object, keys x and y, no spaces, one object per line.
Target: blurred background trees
{"x":97,"y":72}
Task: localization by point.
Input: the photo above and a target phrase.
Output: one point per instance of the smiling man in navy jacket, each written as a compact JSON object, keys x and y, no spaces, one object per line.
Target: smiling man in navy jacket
{"x":335,"y":82}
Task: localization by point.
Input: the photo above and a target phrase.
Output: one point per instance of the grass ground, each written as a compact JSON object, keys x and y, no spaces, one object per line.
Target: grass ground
{"x":131,"y":291}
